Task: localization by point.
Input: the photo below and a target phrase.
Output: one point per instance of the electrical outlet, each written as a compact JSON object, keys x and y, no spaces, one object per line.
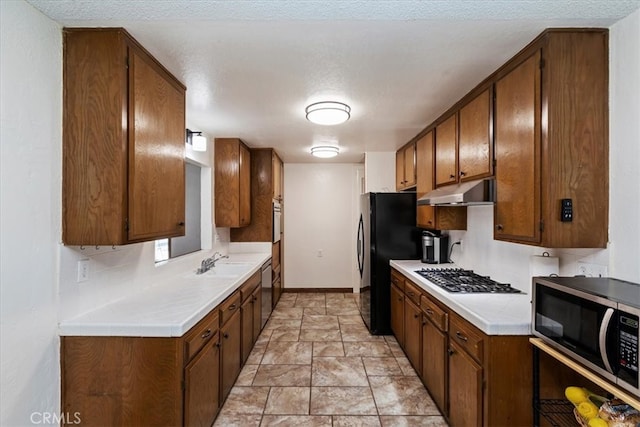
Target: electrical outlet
{"x":591,"y":270}
{"x":83,"y":270}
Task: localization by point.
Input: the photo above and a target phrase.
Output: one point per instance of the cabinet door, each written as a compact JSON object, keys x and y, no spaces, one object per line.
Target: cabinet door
{"x":412,"y":333}
{"x":245,"y":185}
{"x":517,"y":145}
{"x":434,"y":362}
{"x":201,"y":381}
{"x":246,"y":313}
{"x":156,"y":152}
{"x":465,"y":389}
{"x":230,"y":353}
{"x":397,"y":314}
{"x":446,"y":164}
{"x":400,"y":169}
{"x":410,"y":165}
{"x":256,"y":300}
{"x":475,"y":148}
{"x":277,"y":177}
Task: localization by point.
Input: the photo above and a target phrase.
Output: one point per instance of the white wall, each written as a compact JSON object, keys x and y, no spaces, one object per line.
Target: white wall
{"x":509,"y":262}
{"x":320,"y":214}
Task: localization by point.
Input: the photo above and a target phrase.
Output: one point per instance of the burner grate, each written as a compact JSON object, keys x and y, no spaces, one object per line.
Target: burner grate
{"x":464,"y":281}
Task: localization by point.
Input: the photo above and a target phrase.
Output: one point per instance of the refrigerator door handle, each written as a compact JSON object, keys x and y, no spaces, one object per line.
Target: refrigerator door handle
{"x":360,"y":246}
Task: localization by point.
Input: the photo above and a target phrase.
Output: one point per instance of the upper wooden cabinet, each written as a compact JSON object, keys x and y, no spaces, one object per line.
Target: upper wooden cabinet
{"x":232,"y":183}
{"x":434,"y":217}
{"x":266,"y":171}
{"x":123,"y":142}
{"x":475,"y":146}
{"x":551,"y":141}
{"x":446,"y":159}
{"x":406,"y":167}
{"x":278,"y":176}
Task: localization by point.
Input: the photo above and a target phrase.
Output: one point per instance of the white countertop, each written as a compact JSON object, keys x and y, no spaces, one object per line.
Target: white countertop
{"x":168,"y":309}
{"x":493,"y":314}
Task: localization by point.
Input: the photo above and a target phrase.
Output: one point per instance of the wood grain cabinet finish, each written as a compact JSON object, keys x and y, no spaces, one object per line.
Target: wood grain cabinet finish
{"x":123,"y":142}
{"x":433,"y":217}
{"x":474,"y":378}
{"x":406,"y":167}
{"x":230,"y":351}
{"x":475,"y":144}
{"x":232,"y":183}
{"x":446,"y":158}
{"x":551,"y":141}
{"x":202,"y":386}
{"x":249,"y":292}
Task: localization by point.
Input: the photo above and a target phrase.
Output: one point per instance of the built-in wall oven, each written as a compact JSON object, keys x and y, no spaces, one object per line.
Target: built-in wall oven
{"x":277,"y":221}
{"x":593,"y":320}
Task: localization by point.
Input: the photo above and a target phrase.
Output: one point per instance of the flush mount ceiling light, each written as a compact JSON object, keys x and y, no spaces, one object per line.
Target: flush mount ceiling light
{"x":328,"y":113}
{"x":325,"y":151}
{"x":196,"y":140}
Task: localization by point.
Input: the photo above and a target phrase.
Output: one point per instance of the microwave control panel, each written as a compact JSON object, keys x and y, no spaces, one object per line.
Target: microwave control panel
{"x":628,"y":339}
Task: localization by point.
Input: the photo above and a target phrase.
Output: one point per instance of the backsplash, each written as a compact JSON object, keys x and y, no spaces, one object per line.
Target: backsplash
{"x":509,"y":262}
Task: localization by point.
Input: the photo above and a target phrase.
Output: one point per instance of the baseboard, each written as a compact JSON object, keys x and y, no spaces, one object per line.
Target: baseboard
{"x":317,"y":290}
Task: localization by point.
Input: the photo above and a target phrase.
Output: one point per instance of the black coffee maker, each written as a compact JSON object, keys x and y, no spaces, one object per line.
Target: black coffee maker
{"x":435,"y":248}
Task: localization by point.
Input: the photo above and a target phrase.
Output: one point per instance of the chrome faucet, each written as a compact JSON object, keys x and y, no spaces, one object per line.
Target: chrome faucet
{"x":208,"y":263}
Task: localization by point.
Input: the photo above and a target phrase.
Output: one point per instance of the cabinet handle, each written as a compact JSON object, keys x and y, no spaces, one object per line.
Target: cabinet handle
{"x":451,"y":176}
{"x":429,"y":311}
{"x":181,"y":224}
{"x":424,"y":322}
{"x":410,"y":294}
{"x":415,"y":315}
{"x":225,"y":335}
{"x":218,"y":344}
{"x":450,"y":351}
{"x":461,"y":337}
{"x":499,"y":227}
{"x":232,"y":307}
{"x":206,"y":335}
{"x":462,"y":173}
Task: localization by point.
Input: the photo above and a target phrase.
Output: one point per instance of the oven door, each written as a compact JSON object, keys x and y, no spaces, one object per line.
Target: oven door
{"x":581,"y":325}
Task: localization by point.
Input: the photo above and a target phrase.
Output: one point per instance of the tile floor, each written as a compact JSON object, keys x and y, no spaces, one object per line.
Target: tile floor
{"x":315,"y":364}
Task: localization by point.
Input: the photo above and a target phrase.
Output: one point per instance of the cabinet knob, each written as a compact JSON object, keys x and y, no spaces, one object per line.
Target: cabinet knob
{"x":226,"y":336}
{"x":218,"y":344}
{"x":462,"y":173}
{"x":429,"y":311}
{"x":424,"y":322}
{"x":450,"y":351}
{"x":206,"y":335}
{"x":415,"y":315}
{"x":499,"y":227}
{"x":181,"y":224}
{"x":452,"y":176}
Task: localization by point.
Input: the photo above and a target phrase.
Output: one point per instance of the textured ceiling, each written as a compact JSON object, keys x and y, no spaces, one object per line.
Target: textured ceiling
{"x":251,"y":67}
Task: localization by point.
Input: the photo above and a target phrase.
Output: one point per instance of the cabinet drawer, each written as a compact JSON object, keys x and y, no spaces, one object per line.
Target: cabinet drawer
{"x":201,"y":333}
{"x":249,"y":286}
{"x":466,"y":336}
{"x":398,"y":280}
{"x":438,"y":316}
{"x":412,"y":292}
{"x":229,"y":307}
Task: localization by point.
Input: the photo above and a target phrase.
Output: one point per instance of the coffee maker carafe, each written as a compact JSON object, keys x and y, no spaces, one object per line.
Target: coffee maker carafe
{"x":434,"y":248}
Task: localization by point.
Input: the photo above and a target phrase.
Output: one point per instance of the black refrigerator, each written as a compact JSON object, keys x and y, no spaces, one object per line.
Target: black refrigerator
{"x":386,"y":230}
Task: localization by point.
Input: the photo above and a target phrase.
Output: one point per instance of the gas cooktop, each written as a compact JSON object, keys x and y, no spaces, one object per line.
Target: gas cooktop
{"x":464,"y":281}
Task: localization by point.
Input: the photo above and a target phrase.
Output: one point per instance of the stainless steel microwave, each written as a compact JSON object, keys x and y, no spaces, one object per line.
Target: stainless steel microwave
{"x":594,"y":321}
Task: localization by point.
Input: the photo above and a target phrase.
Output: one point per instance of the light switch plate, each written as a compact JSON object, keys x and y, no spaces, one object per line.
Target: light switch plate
{"x":83,"y":270}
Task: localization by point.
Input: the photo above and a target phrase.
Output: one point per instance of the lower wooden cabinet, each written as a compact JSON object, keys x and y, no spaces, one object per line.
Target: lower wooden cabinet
{"x":465,"y":389}
{"x":159,"y":380}
{"x":475,"y":379}
{"x":413,"y":334}
{"x":201,"y":386}
{"x":251,"y":314}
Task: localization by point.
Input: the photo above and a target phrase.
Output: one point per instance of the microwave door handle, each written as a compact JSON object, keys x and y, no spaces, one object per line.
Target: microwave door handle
{"x":604,"y":327}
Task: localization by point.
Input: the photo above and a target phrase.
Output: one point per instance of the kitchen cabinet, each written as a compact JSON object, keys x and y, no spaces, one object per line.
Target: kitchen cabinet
{"x":250,"y":312}
{"x":446,"y":143}
{"x":433,"y":217}
{"x":397,"y":307}
{"x":551,"y":141}
{"x":232,"y":183}
{"x":201,"y":385}
{"x":412,"y":333}
{"x":469,"y":374}
{"x":434,"y":351}
{"x":230,"y":343}
{"x":123,"y":142}
{"x":406,"y":167}
{"x":475,"y":144}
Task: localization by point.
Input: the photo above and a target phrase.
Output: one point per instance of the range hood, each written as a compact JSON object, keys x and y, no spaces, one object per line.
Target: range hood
{"x":480,"y":192}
